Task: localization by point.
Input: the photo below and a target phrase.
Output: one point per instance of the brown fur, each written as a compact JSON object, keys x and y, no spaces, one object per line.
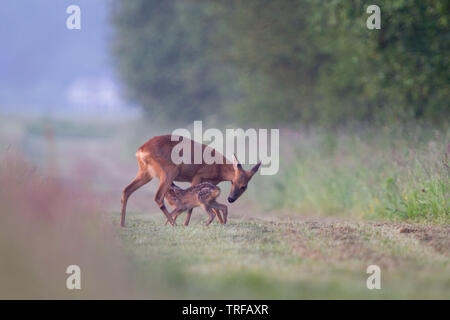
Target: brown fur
{"x":154,"y":160}
{"x":201,"y":195}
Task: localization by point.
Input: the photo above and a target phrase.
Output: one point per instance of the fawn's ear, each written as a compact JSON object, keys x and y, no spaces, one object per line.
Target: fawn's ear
{"x":255,"y":168}
{"x":236,"y":164}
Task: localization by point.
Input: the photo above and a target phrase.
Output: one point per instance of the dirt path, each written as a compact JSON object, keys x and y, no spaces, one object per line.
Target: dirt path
{"x":389,"y":245}
{"x":294,"y":257}
{"x":358,"y":238}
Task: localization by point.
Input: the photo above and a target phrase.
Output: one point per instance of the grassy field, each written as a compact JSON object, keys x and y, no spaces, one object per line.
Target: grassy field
{"x":301,"y":258}
{"x":342,"y":201}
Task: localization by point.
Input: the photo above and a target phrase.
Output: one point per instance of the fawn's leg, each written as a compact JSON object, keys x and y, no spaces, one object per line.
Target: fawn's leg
{"x":188,"y":217}
{"x":211,"y":216}
{"x":223,"y":208}
{"x":174,"y":214}
{"x":189,"y":213}
{"x":219,"y":217}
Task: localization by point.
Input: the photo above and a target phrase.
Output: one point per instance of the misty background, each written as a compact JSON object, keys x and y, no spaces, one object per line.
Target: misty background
{"x":281,"y":63}
{"x":47,"y":69}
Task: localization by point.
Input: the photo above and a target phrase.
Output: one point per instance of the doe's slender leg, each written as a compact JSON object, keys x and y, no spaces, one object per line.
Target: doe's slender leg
{"x":164,"y":186}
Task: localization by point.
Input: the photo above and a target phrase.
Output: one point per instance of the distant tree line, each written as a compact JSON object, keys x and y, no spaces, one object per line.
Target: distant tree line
{"x":285,"y":61}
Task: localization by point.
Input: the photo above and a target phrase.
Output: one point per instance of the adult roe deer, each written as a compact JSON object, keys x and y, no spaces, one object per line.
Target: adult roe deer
{"x":202,"y":195}
{"x":154,"y":160}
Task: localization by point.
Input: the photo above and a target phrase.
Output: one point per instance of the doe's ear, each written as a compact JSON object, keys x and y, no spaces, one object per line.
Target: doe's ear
{"x":255,"y":168}
{"x":236,"y":164}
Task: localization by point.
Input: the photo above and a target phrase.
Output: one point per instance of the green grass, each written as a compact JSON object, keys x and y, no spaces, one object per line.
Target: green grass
{"x":271,"y":260}
{"x":367,"y":176}
{"x":378,"y":173}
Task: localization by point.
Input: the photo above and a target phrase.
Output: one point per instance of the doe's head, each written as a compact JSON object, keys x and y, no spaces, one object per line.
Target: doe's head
{"x":241,"y":179}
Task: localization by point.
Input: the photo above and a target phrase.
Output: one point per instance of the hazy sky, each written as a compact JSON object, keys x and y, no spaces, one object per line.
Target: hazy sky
{"x":44,"y":67}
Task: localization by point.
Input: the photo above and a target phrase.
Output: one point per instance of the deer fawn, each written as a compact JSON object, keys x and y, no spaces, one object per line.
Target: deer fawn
{"x":154,"y":160}
{"x":201,"y":195}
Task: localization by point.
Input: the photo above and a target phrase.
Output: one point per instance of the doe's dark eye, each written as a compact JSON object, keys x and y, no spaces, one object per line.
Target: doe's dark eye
{"x":243,"y":188}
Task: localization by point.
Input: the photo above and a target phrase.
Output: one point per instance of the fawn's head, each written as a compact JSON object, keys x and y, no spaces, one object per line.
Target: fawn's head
{"x":241,"y":179}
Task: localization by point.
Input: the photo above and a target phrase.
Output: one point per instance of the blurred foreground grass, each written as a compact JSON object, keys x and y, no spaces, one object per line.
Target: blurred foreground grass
{"x":47,"y":225}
